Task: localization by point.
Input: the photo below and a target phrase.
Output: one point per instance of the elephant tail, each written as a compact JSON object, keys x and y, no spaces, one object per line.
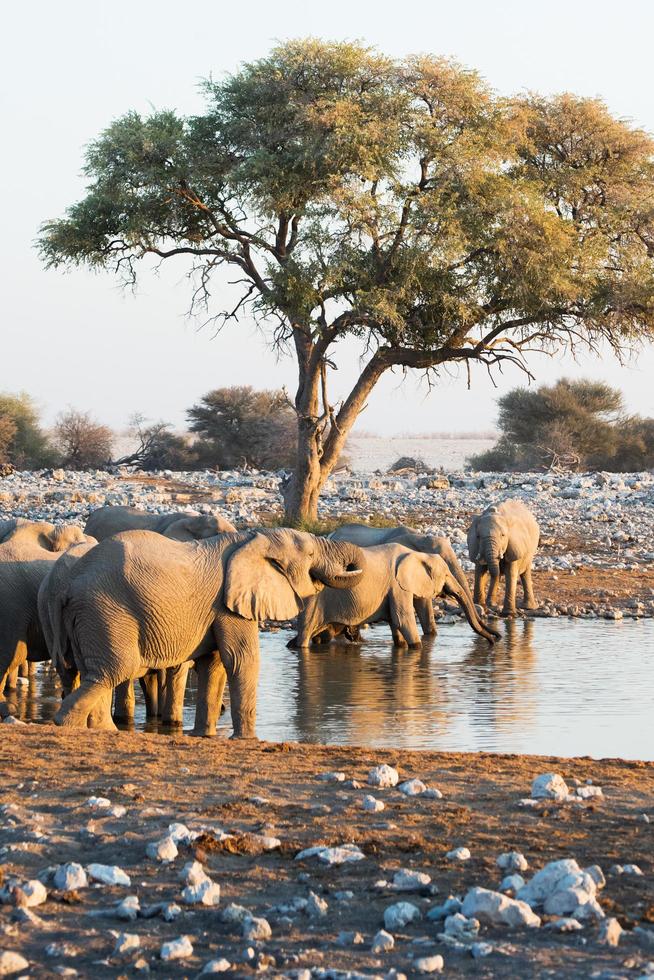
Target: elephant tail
{"x":61,"y":653}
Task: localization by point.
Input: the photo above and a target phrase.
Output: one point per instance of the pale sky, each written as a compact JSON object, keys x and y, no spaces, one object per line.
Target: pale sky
{"x":68,"y":68}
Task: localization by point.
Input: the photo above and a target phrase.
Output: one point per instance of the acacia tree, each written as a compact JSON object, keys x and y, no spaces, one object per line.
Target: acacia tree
{"x":400,"y":202}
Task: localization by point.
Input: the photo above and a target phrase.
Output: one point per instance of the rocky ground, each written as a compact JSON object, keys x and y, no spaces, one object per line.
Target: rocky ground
{"x":306,"y":867}
{"x":597,"y":552}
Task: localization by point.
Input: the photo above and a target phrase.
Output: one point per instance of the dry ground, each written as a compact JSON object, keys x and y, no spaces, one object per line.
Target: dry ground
{"x":52,"y":773}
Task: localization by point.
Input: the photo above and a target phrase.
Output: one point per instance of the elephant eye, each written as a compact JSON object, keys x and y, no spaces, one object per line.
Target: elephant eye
{"x":277,"y":564}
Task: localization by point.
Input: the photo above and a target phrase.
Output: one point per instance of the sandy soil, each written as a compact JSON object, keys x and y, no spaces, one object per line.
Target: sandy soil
{"x":49,"y":775}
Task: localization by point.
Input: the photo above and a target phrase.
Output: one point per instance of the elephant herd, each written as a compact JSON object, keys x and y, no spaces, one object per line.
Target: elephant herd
{"x":145,"y":596}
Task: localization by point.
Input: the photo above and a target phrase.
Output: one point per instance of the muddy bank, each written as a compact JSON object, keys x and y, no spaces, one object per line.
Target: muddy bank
{"x":263,"y":791}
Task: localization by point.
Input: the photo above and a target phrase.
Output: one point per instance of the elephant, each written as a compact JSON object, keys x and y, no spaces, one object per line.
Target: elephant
{"x":139,"y":601}
{"x":431,"y":544}
{"x":180,"y":526}
{"x":393,"y":578}
{"x":28,"y":550}
{"x":503,"y":540}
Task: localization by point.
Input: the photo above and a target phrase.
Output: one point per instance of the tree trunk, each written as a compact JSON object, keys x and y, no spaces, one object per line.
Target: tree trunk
{"x":302,"y":491}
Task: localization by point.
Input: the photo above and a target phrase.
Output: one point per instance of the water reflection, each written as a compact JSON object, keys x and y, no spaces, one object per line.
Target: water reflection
{"x":562,"y":687}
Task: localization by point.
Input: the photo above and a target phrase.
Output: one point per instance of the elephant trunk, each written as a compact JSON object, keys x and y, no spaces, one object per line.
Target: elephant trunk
{"x":338,"y":565}
{"x":453,"y":589}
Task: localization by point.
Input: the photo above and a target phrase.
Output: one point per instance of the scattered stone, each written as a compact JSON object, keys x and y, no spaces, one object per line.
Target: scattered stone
{"x":108,"y":874}
{"x":234,"y":914}
{"x":193,"y":873}
{"x":564,"y":924}
{"x":11,"y":962}
{"x":372,"y":805}
{"x":207,"y":892}
{"x":460,"y":927}
{"x":217,"y":966}
{"x":549,"y":786}
{"x":512,"y":861}
{"x":512,"y":883}
{"x":256,"y":929}
{"x":316,"y":907}
{"x":610,"y":932}
{"x":383,"y":776}
{"x":589,"y":792}
{"x":126,"y":942}
{"x":496,"y":909}
{"x":480,"y":950}
{"x":11,"y":720}
{"x":428,"y":964}
{"x":410,"y":881}
{"x":129,"y":908}
{"x":70,"y":877}
{"x":383,"y":942}
{"x":350,"y":939}
{"x":331,"y":777}
{"x":176,"y":949}
{"x":399,"y":915}
{"x":164,"y":850}
{"x":28,"y":895}
{"x":412,"y":787}
{"x":459,"y":854}
{"x":333,"y":855}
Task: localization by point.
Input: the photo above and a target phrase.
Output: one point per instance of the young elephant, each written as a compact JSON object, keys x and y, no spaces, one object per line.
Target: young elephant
{"x":28,"y":550}
{"x":139,"y":601}
{"x":394,"y":577}
{"x":503,"y":541}
{"x":431,"y":544}
{"x":107,"y":521}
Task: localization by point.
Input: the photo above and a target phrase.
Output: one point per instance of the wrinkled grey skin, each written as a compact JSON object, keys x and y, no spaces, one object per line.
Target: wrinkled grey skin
{"x":28,"y":550}
{"x":430,"y":544}
{"x":503,"y":541}
{"x":139,"y":601}
{"x":107,"y":521}
{"x":394,"y":577}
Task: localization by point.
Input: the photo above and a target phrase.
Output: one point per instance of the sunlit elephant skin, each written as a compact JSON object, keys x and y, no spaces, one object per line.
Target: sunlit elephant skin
{"x":503,"y":541}
{"x":107,"y":521}
{"x":431,"y":544}
{"x":394,"y":577}
{"x":28,"y":551}
{"x":140,"y":602}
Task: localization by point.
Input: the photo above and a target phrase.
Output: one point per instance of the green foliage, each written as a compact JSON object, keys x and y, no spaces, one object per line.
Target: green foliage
{"x":159,"y":448}
{"x":243,"y":427}
{"x":84,"y":444}
{"x":573,"y":424}
{"x":22,"y":440}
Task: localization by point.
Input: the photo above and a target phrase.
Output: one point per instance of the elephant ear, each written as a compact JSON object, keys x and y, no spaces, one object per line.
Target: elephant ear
{"x":180,"y":531}
{"x":415,"y":574}
{"x":255,"y":587}
{"x":61,"y":538}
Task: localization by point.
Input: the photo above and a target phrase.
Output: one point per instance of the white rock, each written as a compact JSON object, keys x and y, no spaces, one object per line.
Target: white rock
{"x":217,"y":966}
{"x":412,"y":787}
{"x":480,"y":950}
{"x":207,"y":892}
{"x":383,"y":776}
{"x":333,"y":855}
{"x":265,"y":841}
{"x":164,"y":850}
{"x":129,"y":908}
{"x":331,"y":777}
{"x":512,"y":861}
{"x":596,"y":874}
{"x":588,"y":792}
{"x":459,"y":854}
{"x":460,"y":927}
{"x":428,"y":964}
{"x":564,"y":901}
{"x":610,"y":932}
{"x":590,"y":909}
{"x":512,"y":883}
{"x":193,"y":873}
{"x":70,"y":877}
{"x":631,"y":869}
{"x":316,"y":907}
{"x":410,"y":881}
{"x":399,"y":915}
{"x":497,"y":909}
{"x":11,"y":962}
{"x":29,"y":894}
{"x":234,"y":914}
{"x":256,"y":929}
{"x":372,"y":805}
{"x":177,"y":949}
{"x":383,"y":942}
{"x":180,"y":833}
{"x":125,"y":942}
{"x":549,"y":786}
{"x":12,"y":720}
{"x":565,"y":924}
{"x":108,"y":874}
{"x":547,"y":881}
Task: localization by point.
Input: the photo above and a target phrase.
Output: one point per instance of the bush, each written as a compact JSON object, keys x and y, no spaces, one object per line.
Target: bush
{"x":159,"y":448}
{"x":23,"y":442}
{"x":573,"y":425}
{"x":84,"y":443}
{"x":242,"y":427}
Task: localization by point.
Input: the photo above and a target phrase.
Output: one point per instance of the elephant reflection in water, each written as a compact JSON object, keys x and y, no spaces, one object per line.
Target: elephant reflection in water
{"x":369,"y":694}
{"x":500,"y":691}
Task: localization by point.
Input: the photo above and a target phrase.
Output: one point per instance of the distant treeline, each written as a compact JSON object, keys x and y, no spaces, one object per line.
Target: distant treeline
{"x":455,"y":436}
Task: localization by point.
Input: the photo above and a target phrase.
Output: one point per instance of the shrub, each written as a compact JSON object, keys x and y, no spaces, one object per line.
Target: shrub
{"x":159,"y":448}
{"x":22,"y":440}
{"x":83,"y":442}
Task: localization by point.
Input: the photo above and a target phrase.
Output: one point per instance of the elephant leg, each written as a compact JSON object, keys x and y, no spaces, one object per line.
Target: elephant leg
{"x":425,"y":611}
{"x":124,"y":701}
{"x":403,"y":621}
{"x":174,"y":686}
{"x":238,"y":644}
{"x":310,"y":624}
{"x":100,"y":715}
{"x":150,"y":687}
{"x":511,"y":582}
{"x":23,"y":670}
{"x":528,"y":598}
{"x":481,"y":575}
{"x":77,"y":706}
{"x":212,"y":677}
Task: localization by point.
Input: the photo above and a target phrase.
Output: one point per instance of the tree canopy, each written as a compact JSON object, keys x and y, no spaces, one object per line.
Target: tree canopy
{"x":22,"y":440}
{"x":400,"y":201}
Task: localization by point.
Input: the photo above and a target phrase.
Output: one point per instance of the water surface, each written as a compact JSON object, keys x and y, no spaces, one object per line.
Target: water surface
{"x":560,"y":687}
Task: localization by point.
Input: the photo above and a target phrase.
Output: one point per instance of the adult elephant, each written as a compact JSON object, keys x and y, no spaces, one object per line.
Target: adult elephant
{"x":109,"y":520}
{"x":431,"y":544}
{"x":28,"y":550}
{"x":394,"y":578}
{"x":503,"y":541}
{"x":139,"y":601}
